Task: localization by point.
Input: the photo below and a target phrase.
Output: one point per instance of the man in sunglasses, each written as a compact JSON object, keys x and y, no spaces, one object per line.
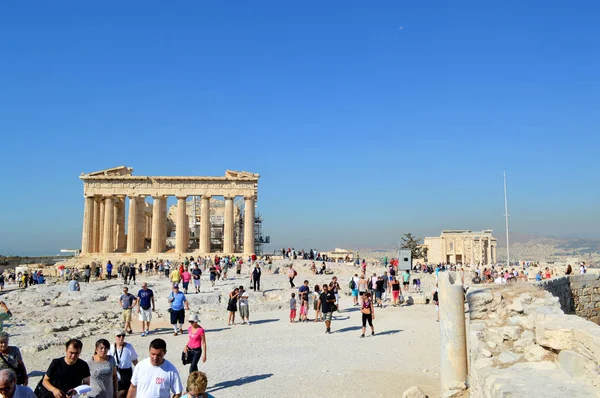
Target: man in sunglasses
{"x":126,"y":357}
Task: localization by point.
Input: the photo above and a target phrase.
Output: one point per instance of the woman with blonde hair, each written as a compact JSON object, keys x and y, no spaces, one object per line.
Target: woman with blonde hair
{"x":196,"y":386}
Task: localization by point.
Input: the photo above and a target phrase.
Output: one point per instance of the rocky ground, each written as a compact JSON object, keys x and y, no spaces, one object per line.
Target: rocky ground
{"x":271,"y":357}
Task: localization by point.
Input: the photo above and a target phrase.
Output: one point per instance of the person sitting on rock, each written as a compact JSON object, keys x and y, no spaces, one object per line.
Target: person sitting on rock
{"x":74,"y":285}
{"x":4,"y":315}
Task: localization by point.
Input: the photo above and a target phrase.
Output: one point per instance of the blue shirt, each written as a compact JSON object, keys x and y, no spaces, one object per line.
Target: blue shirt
{"x":177,"y":303}
{"x":108,"y":267}
{"x":538,"y":277}
{"x":145,"y":297}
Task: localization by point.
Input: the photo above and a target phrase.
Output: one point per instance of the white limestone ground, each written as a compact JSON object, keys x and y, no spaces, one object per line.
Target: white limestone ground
{"x":269,"y":358}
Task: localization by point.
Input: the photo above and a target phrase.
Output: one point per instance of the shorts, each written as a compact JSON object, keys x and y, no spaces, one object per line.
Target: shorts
{"x":145,"y":315}
{"x":292,"y":314}
{"x":126,"y":314}
{"x":186,"y":284}
{"x":244,"y":311}
{"x":405,"y":283}
{"x":327,"y":316}
{"x":178,"y":317}
{"x":354,"y":292}
{"x":337,"y":298}
{"x":303,"y":310}
{"x":361,"y":293}
{"x":395,"y":294}
{"x":378,"y":294}
{"x":197,"y":282}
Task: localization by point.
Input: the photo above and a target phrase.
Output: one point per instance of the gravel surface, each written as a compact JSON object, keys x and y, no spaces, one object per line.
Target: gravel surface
{"x":271,"y":357}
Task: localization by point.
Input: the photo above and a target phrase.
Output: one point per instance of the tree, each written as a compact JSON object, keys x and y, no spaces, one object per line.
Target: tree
{"x":413,"y":243}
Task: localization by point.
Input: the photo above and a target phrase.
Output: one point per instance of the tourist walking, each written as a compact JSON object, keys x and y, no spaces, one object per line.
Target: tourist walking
{"x":185,"y":280}
{"x":109,"y":268}
{"x":65,"y":373}
{"x":9,"y":387}
{"x":232,"y":306}
{"x":10,"y":358}
{"x":196,"y":386}
{"x":244,"y":308}
{"x":87,"y":272}
{"x":379,"y":289}
{"x":256,"y":273}
{"x":291,"y":275}
{"x":145,"y":307}
{"x":125,"y":358}
{"x":293,"y":308}
{"x":196,"y":275}
{"x":5,"y":314}
{"x":155,"y":377}
{"x":353,"y":286}
{"x":368,"y":314}
{"x":317,"y":308}
{"x":132,"y":272}
{"x":436,"y":301}
{"x":179,"y":304}
{"x":125,"y":273}
{"x":103,"y":370}
{"x":335,"y":288}
{"x":196,"y":346}
{"x":327,"y":304}
{"x":127,"y":301}
{"x":363,"y":286}
{"x":395,"y":291}
{"x":405,"y":280}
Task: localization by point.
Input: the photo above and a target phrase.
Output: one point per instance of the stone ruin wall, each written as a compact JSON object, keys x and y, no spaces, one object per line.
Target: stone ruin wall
{"x":520,"y":343}
{"x":577,"y":294}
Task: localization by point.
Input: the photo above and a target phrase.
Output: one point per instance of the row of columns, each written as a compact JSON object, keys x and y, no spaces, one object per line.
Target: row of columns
{"x":104,"y":225}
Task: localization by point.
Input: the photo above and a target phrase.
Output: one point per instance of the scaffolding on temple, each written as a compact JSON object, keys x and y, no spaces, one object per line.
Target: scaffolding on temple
{"x":259,"y":239}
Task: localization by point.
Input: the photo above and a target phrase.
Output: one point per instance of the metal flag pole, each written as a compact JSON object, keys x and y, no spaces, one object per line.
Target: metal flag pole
{"x":506,"y":218}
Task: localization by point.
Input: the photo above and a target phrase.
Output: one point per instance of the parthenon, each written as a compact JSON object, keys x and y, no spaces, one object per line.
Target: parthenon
{"x":107,"y":191}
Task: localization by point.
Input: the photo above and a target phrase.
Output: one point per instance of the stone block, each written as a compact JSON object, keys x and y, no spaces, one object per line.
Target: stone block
{"x":414,"y":392}
{"x":554,"y":332}
{"x":510,"y":333}
{"x":573,"y":363}
{"x":507,"y":357}
{"x":535,"y":353}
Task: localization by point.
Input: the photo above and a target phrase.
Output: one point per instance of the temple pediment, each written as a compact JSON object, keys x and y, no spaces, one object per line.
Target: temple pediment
{"x":240,"y":174}
{"x":115,"y":171}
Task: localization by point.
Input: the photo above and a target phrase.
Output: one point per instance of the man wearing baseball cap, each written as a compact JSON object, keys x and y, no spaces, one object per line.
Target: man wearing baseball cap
{"x":178,"y":306}
{"x":125,"y":357}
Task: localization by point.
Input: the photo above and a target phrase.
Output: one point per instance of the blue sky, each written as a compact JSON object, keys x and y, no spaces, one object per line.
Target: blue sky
{"x":361,"y":130}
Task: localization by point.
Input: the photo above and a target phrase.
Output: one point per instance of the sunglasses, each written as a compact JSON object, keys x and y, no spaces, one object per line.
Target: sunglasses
{"x":120,"y":335}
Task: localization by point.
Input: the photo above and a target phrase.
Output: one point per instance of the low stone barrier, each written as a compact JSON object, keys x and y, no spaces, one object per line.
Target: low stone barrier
{"x":520,"y":343}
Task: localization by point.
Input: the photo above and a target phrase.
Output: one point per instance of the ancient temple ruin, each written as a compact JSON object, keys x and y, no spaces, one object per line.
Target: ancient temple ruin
{"x":213,"y":221}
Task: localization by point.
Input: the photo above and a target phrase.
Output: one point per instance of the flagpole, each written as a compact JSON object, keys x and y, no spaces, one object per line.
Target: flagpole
{"x":506,"y":219}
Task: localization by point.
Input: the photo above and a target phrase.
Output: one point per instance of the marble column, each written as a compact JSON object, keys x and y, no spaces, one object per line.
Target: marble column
{"x":489,"y":250}
{"x":141,"y":224}
{"x":121,"y":240}
{"x":228,"y":226}
{"x":96,"y":233}
{"x":472,"y":243}
{"x":108,"y":241}
{"x":88,"y":225}
{"x":181,"y":244}
{"x":155,"y":243}
{"x":205,"y":224}
{"x":132,"y":225}
{"x":115,"y":228}
{"x":101,"y":228}
{"x":163,"y":225}
{"x":249,"y":225}
{"x":453,"y":341}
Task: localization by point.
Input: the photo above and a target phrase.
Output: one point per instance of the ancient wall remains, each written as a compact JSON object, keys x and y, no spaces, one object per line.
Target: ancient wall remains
{"x":520,"y":343}
{"x":577,"y":294}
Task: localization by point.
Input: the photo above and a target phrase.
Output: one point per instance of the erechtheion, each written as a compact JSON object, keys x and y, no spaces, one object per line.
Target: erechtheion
{"x":462,"y":246}
{"x":104,"y":221}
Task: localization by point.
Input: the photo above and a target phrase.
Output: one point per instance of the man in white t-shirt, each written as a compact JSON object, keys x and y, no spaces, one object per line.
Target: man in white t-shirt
{"x":244,"y":309}
{"x":155,"y":377}
{"x":125,"y":357}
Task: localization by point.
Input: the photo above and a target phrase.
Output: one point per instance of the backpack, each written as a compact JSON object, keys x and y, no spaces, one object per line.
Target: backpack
{"x":295,"y":273}
{"x":352,"y":285}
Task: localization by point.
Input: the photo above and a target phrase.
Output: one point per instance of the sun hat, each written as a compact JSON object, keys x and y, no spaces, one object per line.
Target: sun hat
{"x":175,"y":285}
{"x":194,"y":318}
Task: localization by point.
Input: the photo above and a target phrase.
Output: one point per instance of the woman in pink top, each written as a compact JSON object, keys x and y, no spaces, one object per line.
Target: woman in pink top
{"x":196,"y":346}
{"x":185,"y":278}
